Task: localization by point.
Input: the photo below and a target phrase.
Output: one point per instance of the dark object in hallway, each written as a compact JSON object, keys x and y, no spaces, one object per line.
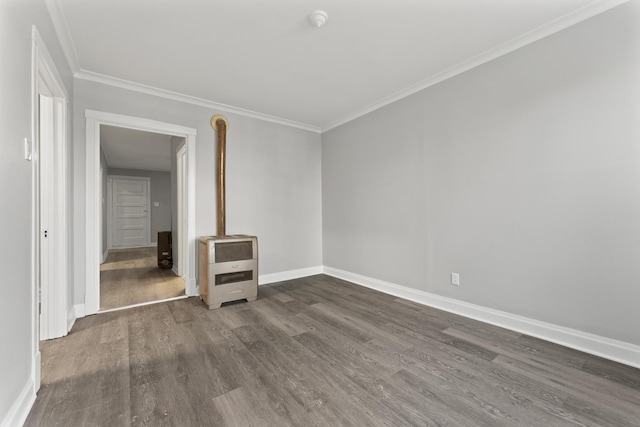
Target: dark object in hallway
{"x":165,"y":253}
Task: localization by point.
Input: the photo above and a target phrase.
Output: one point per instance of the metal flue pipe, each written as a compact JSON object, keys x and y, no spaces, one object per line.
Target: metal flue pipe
{"x":220,"y":125}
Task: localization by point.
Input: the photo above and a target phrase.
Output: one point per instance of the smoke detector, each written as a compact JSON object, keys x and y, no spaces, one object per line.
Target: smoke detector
{"x":318,"y":18}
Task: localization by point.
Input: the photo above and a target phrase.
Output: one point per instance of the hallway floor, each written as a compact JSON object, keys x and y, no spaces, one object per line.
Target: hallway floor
{"x":132,"y":276}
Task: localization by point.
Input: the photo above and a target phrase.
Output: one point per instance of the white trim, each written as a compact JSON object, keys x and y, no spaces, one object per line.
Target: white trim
{"x":101,"y":220}
{"x":37,"y":372}
{"x":47,"y":66}
{"x":35,"y":226}
{"x":78,"y":310}
{"x":118,"y":248}
{"x":64,"y":34}
{"x":188,"y":99}
{"x":138,"y":123}
{"x":71,"y":319}
{"x":19,"y":411}
{"x":92,"y":194}
{"x":92,"y":210}
{"x":608,"y":348}
{"x":594,"y":8}
{"x":150,"y":245}
{"x":181,"y":210}
{"x":265,"y":279}
{"x":591,"y":9}
{"x":43,"y":68}
{"x":142,"y":304}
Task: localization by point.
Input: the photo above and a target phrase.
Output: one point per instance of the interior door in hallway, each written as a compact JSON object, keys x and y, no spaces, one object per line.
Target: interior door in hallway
{"x":130,"y":220}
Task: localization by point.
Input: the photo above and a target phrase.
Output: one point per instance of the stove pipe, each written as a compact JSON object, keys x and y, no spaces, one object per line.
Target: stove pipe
{"x":220,"y":124}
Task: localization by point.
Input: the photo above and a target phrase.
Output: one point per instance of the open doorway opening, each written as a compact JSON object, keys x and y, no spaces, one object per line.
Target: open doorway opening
{"x":139,"y":199}
{"x":94,"y":254}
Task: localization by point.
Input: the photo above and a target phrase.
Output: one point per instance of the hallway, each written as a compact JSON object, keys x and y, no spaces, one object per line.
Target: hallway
{"x":132,"y":276}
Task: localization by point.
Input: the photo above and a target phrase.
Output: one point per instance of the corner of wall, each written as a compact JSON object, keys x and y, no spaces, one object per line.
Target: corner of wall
{"x":617,"y":351}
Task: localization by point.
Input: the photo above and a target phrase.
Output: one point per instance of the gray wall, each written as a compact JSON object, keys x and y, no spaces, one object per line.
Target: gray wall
{"x":160,"y":192}
{"x":522,"y":175}
{"x":17,"y":302}
{"x":273,"y":177}
{"x":104,"y":166}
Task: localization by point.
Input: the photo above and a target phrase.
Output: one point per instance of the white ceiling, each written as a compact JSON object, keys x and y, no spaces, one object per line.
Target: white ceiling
{"x":265,"y":57}
{"x":133,"y":149}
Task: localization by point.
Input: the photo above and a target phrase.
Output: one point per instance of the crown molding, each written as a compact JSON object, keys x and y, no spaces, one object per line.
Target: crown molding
{"x":592,"y":9}
{"x":188,"y":99}
{"x":64,"y":34}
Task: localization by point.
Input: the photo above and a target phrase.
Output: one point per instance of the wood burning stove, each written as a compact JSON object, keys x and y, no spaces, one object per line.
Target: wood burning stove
{"x":228,"y":269}
{"x":228,"y":265}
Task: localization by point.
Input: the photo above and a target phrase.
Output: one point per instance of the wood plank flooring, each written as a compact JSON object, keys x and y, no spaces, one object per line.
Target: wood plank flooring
{"x":319,"y":351}
{"x":132,"y":276}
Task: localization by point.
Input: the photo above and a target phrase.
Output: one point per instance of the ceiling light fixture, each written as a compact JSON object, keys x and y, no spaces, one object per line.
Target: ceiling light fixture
{"x":318,"y":18}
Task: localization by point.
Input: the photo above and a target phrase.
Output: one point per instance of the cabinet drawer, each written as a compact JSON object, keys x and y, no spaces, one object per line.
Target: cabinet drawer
{"x":232,"y":266}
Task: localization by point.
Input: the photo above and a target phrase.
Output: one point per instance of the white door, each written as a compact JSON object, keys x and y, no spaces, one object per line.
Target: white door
{"x":46,"y":212}
{"x":130,"y":220}
{"x":52,"y":218}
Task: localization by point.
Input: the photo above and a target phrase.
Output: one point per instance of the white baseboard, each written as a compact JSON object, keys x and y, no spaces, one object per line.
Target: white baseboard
{"x":78,"y":311}
{"x":71,"y":318}
{"x":265,"y":279}
{"x":148,"y":245}
{"x":618,"y":351}
{"x":175,"y":270}
{"x":194,"y":285}
{"x":19,"y":411}
{"x":37,"y":371}
{"x":104,"y":256}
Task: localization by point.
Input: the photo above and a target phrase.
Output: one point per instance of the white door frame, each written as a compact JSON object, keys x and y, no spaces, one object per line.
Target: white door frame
{"x":92,"y":193}
{"x":110,"y":212}
{"x":181,"y":187}
{"x":56,"y":316}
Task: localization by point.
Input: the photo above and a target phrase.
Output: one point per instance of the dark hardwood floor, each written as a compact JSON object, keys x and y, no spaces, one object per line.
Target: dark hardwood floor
{"x":319,"y":351}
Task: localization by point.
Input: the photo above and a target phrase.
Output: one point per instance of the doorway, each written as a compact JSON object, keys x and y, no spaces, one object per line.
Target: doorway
{"x":94,"y":120}
{"x":138,"y":204}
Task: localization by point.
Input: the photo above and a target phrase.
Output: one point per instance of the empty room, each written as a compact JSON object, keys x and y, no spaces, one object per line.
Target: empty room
{"x":327,"y":213}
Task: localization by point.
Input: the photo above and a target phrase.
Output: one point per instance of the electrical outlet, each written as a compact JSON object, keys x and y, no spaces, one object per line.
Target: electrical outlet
{"x":455,"y":279}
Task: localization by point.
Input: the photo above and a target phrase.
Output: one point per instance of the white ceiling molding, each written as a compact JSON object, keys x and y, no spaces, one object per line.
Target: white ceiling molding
{"x":64,"y":35}
{"x":589,"y":10}
{"x":167,"y":94}
{"x":592,"y":9}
